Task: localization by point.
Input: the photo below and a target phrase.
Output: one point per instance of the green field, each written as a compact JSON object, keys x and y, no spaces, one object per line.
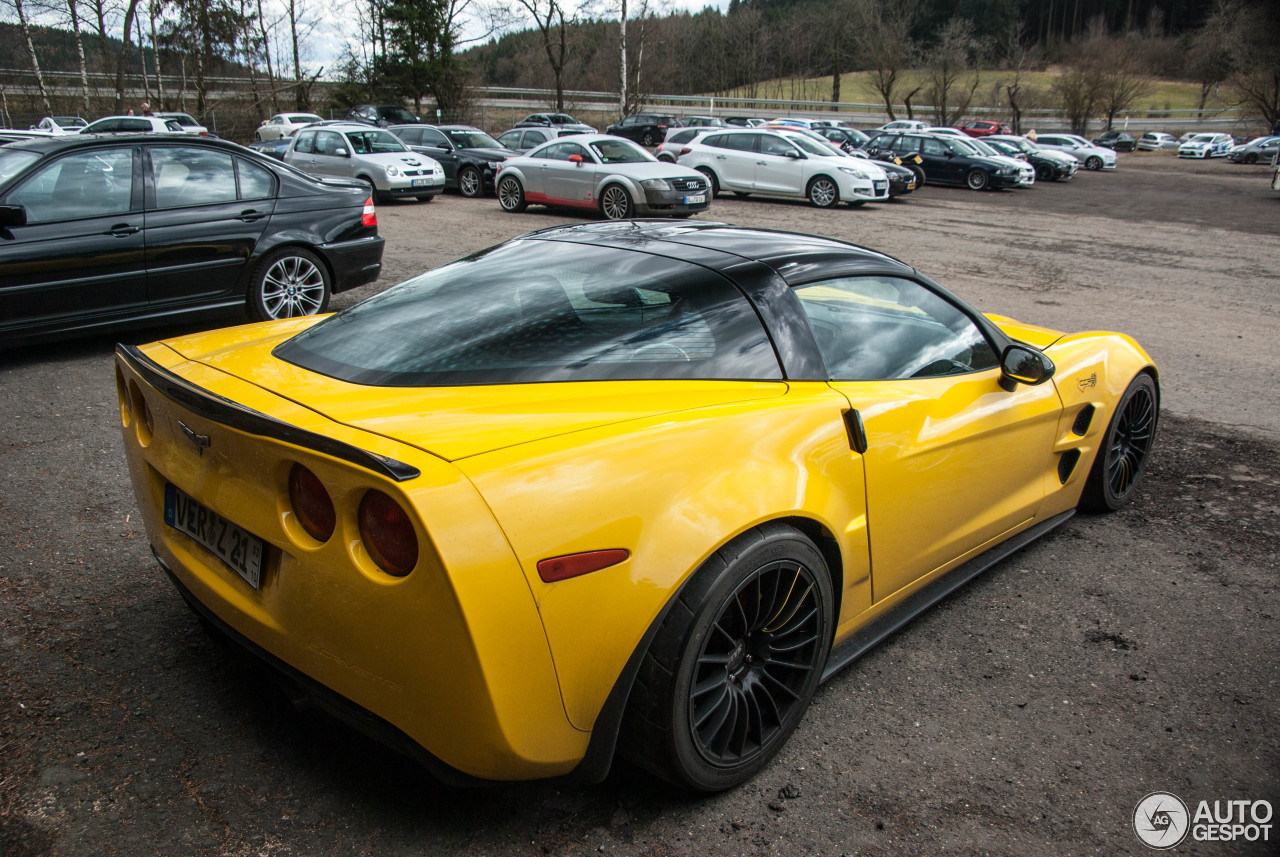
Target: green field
{"x":855,"y":88}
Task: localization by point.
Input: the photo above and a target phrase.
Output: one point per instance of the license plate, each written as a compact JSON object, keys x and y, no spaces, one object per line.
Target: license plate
{"x":238,"y":548}
{"x":881,"y":185}
{"x":694,"y":200}
{"x":419,"y":182}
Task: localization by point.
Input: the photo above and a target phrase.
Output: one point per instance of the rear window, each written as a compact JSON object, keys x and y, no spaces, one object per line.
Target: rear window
{"x":537,"y":311}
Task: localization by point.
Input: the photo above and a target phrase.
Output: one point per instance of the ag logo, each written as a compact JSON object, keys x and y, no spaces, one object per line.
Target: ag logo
{"x":1161,"y":820}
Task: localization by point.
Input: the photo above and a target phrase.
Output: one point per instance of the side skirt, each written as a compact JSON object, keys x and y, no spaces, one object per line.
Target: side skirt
{"x":879,"y":630}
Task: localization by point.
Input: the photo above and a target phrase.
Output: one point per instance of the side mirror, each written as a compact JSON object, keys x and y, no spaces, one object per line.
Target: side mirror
{"x":575,"y":159}
{"x":793,"y":155}
{"x":1021,"y":364}
{"x":341,"y":153}
{"x":12,"y":215}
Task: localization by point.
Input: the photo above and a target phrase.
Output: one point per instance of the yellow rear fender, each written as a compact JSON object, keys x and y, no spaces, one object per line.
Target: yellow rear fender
{"x":1093,"y":371}
{"x":670,"y":491}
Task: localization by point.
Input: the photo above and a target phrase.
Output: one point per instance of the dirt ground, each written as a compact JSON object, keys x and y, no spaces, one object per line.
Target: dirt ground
{"x":1026,"y":715}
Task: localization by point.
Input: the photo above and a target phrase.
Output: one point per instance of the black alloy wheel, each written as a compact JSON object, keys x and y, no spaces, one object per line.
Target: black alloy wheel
{"x":1121,"y":459}
{"x":647,"y":139}
{"x":1044,"y":172}
{"x":469,"y":182}
{"x":511,"y":194}
{"x":735,"y":662}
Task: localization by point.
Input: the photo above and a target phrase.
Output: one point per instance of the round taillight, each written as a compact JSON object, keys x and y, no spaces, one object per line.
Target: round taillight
{"x":311,"y":503}
{"x":388,"y":534}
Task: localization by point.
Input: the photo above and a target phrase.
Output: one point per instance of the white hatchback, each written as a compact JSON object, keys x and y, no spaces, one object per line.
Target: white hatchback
{"x":283,"y":125}
{"x":783,"y":163}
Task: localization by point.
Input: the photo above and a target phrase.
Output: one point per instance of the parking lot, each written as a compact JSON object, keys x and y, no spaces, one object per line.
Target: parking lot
{"x":1026,"y":715}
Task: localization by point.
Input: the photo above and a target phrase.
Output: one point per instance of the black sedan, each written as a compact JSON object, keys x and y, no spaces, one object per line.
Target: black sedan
{"x":647,"y":129}
{"x":272,"y":148}
{"x":470,"y":157}
{"x":847,"y":139}
{"x":1120,"y":141}
{"x":945,"y":161}
{"x":107,"y":232}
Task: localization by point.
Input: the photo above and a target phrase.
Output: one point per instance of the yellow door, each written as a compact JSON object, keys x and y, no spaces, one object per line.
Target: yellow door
{"x":951,"y":463}
{"x":952,"y":459}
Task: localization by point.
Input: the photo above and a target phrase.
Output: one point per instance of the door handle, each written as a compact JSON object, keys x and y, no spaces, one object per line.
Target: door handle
{"x":856,"y":430}
{"x":250,"y":215}
{"x":720,"y":157}
{"x":123,"y":230}
{"x":762,"y":163}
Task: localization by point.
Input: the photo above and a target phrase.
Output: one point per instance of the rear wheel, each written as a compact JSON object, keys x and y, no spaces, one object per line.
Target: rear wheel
{"x":648,"y":139}
{"x":1121,"y":459}
{"x":713,"y":183}
{"x":288,"y":283}
{"x":615,"y":203}
{"x":511,"y":194}
{"x":822,"y":192}
{"x":976,"y":179}
{"x":734,"y":664}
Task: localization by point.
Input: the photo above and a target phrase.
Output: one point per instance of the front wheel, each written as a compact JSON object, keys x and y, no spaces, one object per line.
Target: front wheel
{"x":1093,"y":162}
{"x":615,"y":203}
{"x":1251,"y":158}
{"x":469,"y":182}
{"x":1044,"y":172}
{"x":823,"y":192}
{"x":511,"y":195}
{"x":1122,"y":456}
{"x":288,"y":283}
{"x":735,"y":662}
{"x":976,"y":180}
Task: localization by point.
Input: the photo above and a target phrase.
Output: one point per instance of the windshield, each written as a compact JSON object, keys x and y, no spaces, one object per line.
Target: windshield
{"x":813,"y":147}
{"x":533,"y":311}
{"x":396,"y":115}
{"x":303,"y":118}
{"x":374,"y":142}
{"x":620,"y":152}
{"x":1202,"y":138}
{"x":983,"y":147}
{"x":70,"y":121}
{"x":14,"y":161}
{"x":473,"y":140}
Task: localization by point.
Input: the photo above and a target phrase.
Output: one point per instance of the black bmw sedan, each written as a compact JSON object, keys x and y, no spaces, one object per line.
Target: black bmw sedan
{"x":104,"y":232}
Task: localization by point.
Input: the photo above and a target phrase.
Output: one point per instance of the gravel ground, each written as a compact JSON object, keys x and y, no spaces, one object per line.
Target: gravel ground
{"x":1026,"y":715}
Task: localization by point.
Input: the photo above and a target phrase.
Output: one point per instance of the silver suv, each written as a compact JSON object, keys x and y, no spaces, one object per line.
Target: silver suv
{"x":375,"y":156}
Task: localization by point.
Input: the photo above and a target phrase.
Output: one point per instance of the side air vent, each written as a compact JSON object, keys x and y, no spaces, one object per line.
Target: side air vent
{"x":1083,"y":420}
{"x":1067,"y":464}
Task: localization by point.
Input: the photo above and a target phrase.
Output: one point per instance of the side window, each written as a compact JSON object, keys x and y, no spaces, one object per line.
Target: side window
{"x":410,"y":136}
{"x":432,"y":137}
{"x":306,"y":142}
{"x":86,"y":184}
{"x":929,"y":146}
{"x":561,"y":151}
{"x":106,"y":126}
{"x":905,"y":145}
{"x":192,"y":177}
{"x":255,"y":182}
{"x":740,"y":142}
{"x":511,"y":139}
{"x":771,"y":145}
{"x":888,"y":328}
{"x":329,"y":143}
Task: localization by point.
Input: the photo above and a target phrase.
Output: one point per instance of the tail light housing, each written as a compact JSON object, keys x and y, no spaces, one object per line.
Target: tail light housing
{"x":370,"y":215}
{"x":311,"y":503}
{"x":388,"y":534}
{"x":684,"y":150}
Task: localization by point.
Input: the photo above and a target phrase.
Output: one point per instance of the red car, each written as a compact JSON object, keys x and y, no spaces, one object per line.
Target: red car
{"x":984,"y":128}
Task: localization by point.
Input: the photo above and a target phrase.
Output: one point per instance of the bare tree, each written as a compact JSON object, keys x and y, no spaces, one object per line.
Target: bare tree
{"x":552,"y":22}
{"x":1122,"y":81}
{"x":73,"y":11}
{"x":25,"y":24}
{"x":1254,"y":45}
{"x":950,"y":61}
{"x":882,"y":37}
{"x":1020,"y":58}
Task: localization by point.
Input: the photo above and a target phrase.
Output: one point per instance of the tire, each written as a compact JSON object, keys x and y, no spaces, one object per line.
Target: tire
{"x":1093,"y":162}
{"x":921,"y":177}
{"x":288,"y":283}
{"x":976,"y":180}
{"x":741,"y":194}
{"x":713,"y":183}
{"x":647,"y":139}
{"x":615,"y":203}
{"x":1251,"y":158}
{"x":725,"y":681}
{"x":257,"y":137}
{"x":511,"y":195}
{"x":373,"y":189}
{"x":822,"y":192}
{"x":425,"y":198}
{"x":1045,"y":172}
{"x":470,"y":184}
{"x":666,"y":159}
{"x":1119,"y":466}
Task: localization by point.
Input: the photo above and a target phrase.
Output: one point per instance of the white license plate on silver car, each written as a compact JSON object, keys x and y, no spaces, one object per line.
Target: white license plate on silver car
{"x":235,"y":546}
{"x":694,"y":200}
{"x":419,"y":182}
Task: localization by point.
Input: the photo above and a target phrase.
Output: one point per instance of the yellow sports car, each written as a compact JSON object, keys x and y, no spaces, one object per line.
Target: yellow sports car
{"x":631,"y":487}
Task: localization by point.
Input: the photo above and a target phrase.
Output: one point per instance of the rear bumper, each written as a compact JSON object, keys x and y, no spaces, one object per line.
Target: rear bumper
{"x":354,"y":263}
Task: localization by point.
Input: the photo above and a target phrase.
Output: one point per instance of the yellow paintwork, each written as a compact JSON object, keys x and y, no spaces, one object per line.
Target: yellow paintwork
{"x":502,"y":675}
